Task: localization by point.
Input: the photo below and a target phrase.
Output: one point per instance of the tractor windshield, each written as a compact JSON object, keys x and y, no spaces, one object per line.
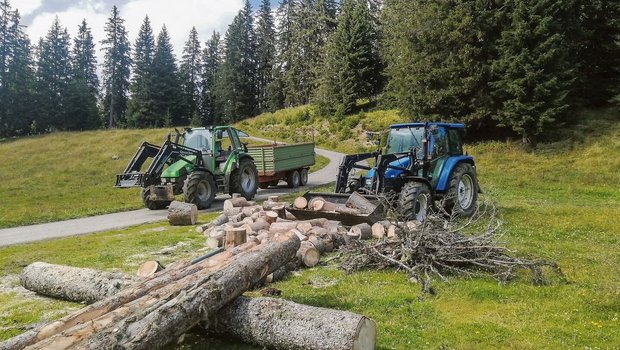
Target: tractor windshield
{"x":198,"y":139}
{"x":405,"y":139}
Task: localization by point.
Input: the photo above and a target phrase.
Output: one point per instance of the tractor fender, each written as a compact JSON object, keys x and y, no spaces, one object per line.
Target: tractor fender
{"x":447,"y":169}
{"x":234,"y":166}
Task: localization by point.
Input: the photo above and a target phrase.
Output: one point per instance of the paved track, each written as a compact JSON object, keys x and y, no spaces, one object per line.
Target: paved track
{"x":107,"y":222}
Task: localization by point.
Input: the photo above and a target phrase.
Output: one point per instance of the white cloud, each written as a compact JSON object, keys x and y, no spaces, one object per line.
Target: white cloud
{"x":180,"y":17}
{"x":26,"y":7}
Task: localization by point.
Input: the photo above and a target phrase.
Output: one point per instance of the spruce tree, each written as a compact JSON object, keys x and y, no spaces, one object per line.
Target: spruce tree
{"x":116,"y":69}
{"x":235,"y":87}
{"x":82,"y":110}
{"x":533,"y":73}
{"x":53,"y":77}
{"x":166,"y":91}
{"x":265,"y":56}
{"x":352,"y":70}
{"x":211,"y":60}
{"x":140,"y":108}
{"x":189,"y":73}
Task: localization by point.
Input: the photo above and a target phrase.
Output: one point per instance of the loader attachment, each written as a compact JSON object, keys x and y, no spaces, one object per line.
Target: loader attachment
{"x":132,"y":177}
{"x":377,"y":214}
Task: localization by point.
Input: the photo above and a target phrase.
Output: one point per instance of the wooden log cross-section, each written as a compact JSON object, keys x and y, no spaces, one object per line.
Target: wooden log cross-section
{"x":266,"y":322}
{"x":140,"y":317}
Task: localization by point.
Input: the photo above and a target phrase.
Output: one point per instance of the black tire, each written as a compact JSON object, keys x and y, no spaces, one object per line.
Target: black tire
{"x":263,"y":185}
{"x":303,"y":177}
{"x":414,"y":201}
{"x":293,"y":179}
{"x":145,"y":193}
{"x":199,"y":188}
{"x":462,"y":193}
{"x":244,"y":179}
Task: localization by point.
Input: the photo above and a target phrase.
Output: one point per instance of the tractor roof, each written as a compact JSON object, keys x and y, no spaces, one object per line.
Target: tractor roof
{"x":447,"y":125}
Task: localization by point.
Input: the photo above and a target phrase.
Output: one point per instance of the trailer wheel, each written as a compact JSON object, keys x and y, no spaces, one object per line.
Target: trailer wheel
{"x":244,"y":180}
{"x":462,"y":193}
{"x":414,"y":201}
{"x":145,"y":194}
{"x":293,"y":179}
{"x":199,"y":188}
{"x":303,"y":174}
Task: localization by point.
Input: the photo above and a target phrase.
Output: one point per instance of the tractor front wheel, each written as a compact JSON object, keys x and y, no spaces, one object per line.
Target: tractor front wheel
{"x":244,"y":180}
{"x":462,"y":192}
{"x":414,"y":201}
{"x":199,"y":188}
{"x":145,"y":194}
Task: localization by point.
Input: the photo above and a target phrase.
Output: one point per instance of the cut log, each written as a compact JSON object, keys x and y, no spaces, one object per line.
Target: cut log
{"x":247,"y":220}
{"x":323,"y":205}
{"x":300,"y":203}
{"x":346,"y":210}
{"x":289,"y":216}
{"x":260,"y":224}
{"x":236,"y":202}
{"x":282,"y":226}
{"x":392,"y":231}
{"x":272,"y":201}
{"x":259,"y":321}
{"x":308,"y":255}
{"x":216,"y":240}
{"x":218,"y":221}
{"x":236,"y":195}
{"x":236,"y":217}
{"x":72,"y":283}
{"x":359,"y":202}
{"x":145,"y":322}
{"x":312,"y":200}
{"x":317,"y":243}
{"x":361,"y":231}
{"x":304,"y":227}
{"x":271,"y":217}
{"x":280,"y":209}
{"x":273,"y":198}
{"x":262,"y":321}
{"x":149,"y":268}
{"x":235,"y":237}
{"x":182,"y":214}
{"x":300,"y":235}
{"x":379,"y":229}
{"x":249,"y":211}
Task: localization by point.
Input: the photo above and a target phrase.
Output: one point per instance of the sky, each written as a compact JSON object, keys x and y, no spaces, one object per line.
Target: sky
{"x":178,"y":15}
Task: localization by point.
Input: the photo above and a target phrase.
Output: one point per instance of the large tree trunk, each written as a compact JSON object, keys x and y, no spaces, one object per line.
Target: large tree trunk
{"x":73,"y":283}
{"x":281,"y":324}
{"x":266,"y":322}
{"x":154,"y":313}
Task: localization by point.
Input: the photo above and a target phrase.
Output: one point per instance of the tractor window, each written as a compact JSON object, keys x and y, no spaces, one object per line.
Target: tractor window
{"x":404,"y":139}
{"x":454,"y":142}
{"x":439,"y":142}
{"x":200,"y":139}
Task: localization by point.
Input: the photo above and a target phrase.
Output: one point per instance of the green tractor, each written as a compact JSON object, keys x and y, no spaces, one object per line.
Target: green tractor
{"x":199,"y":163}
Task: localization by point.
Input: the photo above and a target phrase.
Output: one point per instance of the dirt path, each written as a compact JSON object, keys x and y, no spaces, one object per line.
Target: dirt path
{"x":33,"y":233}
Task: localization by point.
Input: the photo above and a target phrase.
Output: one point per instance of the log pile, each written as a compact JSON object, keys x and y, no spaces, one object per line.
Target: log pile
{"x":265,"y":322}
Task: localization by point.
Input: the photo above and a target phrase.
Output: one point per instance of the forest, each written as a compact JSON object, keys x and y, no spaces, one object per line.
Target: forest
{"x":525,"y":65}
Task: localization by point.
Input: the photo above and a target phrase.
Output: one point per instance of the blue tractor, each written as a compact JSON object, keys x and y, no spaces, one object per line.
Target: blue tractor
{"x":422,"y":163}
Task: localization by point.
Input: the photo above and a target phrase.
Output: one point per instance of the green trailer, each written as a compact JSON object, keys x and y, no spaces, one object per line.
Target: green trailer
{"x":277,"y":162}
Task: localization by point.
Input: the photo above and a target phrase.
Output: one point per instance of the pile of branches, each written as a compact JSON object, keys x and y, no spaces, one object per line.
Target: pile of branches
{"x":445,"y":245}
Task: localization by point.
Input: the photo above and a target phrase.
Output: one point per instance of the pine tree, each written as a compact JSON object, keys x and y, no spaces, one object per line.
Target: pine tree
{"x":17,"y":87}
{"x":533,"y":68}
{"x":53,"y":77}
{"x":116,"y":69}
{"x":211,"y":60}
{"x":235,"y":86}
{"x":189,"y":73}
{"x":439,"y":57}
{"x":352,"y":70}
{"x":140,"y":108}
{"x":265,"y":56}
{"x":82,"y":110}
{"x":166,"y":91}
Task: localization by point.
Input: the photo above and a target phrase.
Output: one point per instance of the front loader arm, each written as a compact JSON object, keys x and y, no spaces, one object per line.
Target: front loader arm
{"x":349,"y":163}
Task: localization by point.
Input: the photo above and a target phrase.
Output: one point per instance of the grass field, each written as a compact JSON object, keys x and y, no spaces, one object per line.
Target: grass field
{"x":560,"y":201}
{"x":67,"y":175}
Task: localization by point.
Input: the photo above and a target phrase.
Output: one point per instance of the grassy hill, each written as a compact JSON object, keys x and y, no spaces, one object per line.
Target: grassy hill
{"x":69,"y":174}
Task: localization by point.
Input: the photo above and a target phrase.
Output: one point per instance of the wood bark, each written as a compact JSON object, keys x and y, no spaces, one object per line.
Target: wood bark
{"x":281,"y":324}
{"x":72,"y":283}
{"x":235,"y":237}
{"x":158,"y":317}
{"x":300,"y":203}
{"x":323,"y":205}
{"x":346,"y":210}
{"x":360,"y":202}
{"x":182,"y":214}
{"x":261,"y":321}
{"x":235,"y":203}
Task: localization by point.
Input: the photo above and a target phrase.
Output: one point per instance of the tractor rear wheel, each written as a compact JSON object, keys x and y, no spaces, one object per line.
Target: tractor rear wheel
{"x":199,"y":188}
{"x":414,"y":201}
{"x":462,"y":193}
{"x":244,"y":180}
{"x":293,"y":179}
{"x":145,"y":194}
